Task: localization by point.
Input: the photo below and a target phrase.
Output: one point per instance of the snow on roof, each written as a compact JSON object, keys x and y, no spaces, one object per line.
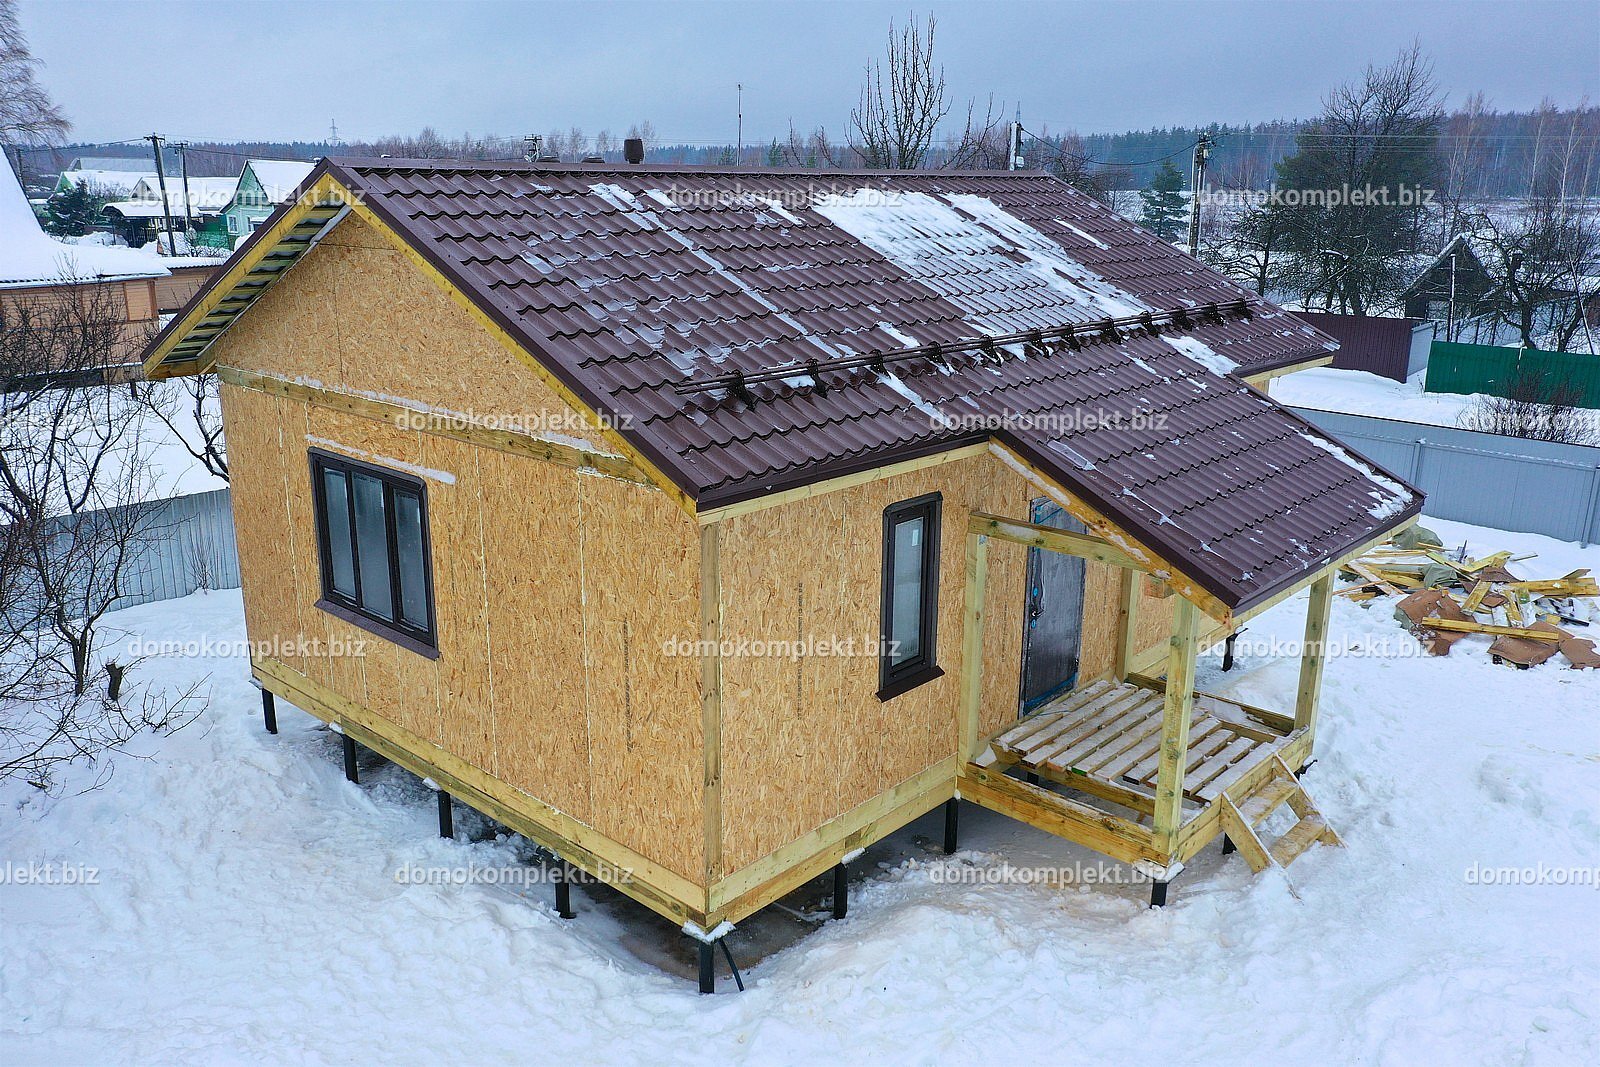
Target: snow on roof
{"x":109,"y":183}
{"x":279,"y":177}
{"x":205,"y":194}
{"x":28,"y":256}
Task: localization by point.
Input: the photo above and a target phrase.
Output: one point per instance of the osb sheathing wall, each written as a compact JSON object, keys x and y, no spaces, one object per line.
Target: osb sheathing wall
{"x":356,"y":315}
{"x":556,"y":591}
{"x":806,"y":739}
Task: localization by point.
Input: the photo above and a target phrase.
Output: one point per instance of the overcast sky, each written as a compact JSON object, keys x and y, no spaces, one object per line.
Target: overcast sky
{"x":245,"y":70}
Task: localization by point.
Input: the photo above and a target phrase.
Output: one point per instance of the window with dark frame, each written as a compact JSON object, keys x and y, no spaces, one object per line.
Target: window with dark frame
{"x":910,"y":595}
{"x":372,"y":537}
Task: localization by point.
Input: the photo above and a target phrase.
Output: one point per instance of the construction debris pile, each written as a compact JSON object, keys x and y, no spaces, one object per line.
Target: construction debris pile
{"x":1446,"y":596}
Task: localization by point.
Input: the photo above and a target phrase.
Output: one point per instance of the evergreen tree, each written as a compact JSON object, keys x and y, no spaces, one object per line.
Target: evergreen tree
{"x":775,"y":154}
{"x":1164,"y":205}
{"x":72,"y":213}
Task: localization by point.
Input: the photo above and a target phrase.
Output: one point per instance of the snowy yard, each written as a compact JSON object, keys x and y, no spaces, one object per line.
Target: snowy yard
{"x":247,"y":909}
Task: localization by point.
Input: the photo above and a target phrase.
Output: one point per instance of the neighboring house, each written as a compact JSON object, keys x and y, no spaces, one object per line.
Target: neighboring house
{"x":705,"y":526}
{"x":140,"y":218}
{"x":106,"y":184}
{"x":37,"y":271}
{"x":264,"y":184}
{"x":1452,"y":286}
{"x":1396,"y":348}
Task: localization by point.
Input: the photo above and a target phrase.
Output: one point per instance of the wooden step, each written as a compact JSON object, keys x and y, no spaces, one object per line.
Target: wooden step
{"x":1267,"y":799}
{"x":1305,"y":833}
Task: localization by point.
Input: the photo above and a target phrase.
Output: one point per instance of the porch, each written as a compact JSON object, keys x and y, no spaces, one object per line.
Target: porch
{"x":1137,"y":764}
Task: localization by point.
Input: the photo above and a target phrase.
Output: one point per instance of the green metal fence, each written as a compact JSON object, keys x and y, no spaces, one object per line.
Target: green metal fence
{"x":1458,"y":368}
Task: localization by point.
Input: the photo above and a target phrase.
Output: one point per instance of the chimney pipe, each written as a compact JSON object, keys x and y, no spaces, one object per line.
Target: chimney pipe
{"x":633,"y":150}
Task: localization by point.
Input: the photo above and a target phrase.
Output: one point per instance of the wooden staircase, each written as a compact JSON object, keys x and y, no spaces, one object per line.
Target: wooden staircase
{"x":1241,"y":815}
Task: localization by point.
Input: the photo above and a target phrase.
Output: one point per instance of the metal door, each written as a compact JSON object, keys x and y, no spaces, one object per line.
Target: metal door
{"x":1054,"y":623}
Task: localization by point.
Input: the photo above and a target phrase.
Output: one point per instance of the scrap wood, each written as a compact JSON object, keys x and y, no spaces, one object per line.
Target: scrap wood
{"x":1580,"y":652}
{"x":1431,"y":604}
{"x":1539,"y":631}
{"x":1475,"y":597}
{"x":1538,"y":644}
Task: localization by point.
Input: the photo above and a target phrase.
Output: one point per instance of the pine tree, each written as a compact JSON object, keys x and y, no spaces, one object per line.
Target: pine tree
{"x":72,"y":213}
{"x":1164,"y":205}
{"x":774,"y":154}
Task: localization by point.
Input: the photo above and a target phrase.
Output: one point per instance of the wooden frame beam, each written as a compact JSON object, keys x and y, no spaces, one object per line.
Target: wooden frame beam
{"x":711,"y":694}
{"x":972,"y":644}
{"x":1177,"y":711}
{"x":1049,"y":538}
{"x":1313,"y":654}
{"x":400,"y":416}
{"x":1127,"y":624}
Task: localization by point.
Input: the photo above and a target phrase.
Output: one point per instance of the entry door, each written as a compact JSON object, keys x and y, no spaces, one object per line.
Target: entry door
{"x":1054,"y":622}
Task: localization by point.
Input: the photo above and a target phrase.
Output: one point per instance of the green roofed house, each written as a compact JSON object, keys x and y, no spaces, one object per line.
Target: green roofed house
{"x":263,"y":185}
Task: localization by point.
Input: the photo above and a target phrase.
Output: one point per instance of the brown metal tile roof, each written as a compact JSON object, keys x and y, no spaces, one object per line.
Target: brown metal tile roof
{"x":648,"y":289}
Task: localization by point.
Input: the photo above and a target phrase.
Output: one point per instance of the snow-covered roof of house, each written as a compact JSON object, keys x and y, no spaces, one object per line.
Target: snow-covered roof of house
{"x":279,"y":177}
{"x":107,"y":183}
{"x":139,"y":164}
{"x":207,"y":196}
{"x":210,"y":195}
{"x":29,"y":256}
{"x":761,"y":331}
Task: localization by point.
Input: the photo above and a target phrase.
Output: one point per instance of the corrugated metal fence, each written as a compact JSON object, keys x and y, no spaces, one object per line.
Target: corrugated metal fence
{"x":1492,"y":369}
{"x":1506,"y":482}
{"x":190,"y":547}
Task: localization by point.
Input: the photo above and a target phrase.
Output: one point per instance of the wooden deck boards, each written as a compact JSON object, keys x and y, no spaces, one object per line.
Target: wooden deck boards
{"x":1111,"y":733}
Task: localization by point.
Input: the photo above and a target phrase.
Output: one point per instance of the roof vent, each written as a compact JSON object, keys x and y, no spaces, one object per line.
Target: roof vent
{"x":594,"y":159}
{"x":550,"y":157}
{"x":633,"y":150}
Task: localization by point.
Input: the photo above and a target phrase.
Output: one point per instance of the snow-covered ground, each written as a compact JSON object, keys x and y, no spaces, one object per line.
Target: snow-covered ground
{"x":247,"y":908}
{"x":1360,"y":392}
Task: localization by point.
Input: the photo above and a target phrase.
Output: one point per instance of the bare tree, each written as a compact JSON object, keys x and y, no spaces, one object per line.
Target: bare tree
{"x":1541,"y":261}
{"x":191,"y":408}
{"x":27,"y":114}
{"x":1539,"y":406}
{"x":75,"y":485}
{"x":902,"y":101}
{"x":1380,"y":134}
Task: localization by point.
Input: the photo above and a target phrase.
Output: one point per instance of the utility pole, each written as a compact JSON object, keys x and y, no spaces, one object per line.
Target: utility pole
{"x":1014,"y":143}
{"x":183,"y":174}
{"x":739,"y":152}
{"x":161,"y":180}
{"x":1202,"y":152}
{"x":530,"y":148}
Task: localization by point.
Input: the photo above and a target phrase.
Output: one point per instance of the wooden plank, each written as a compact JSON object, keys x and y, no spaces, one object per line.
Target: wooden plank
{"x":847,"y":481}
{"x":1313,"y":655}
{"x":1053,"y":540}
{"x":1086,"y":724}
{"x":1243,"y":835}
{"x":972,"y":643}
{"x":757,"y":884}
{"x":1134,"y":714}
{"x":1111,"y":835}
{"x":1486,"y":628}
{"x":1127,"y":622}
{"x":1070,"y":723}
{"x":383,"y":411}
{"x":711,"y":692}
{"x":1176,"y":710}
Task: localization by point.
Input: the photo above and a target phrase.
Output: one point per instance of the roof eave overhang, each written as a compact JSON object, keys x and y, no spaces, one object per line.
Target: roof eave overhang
{"x":185,"y":344}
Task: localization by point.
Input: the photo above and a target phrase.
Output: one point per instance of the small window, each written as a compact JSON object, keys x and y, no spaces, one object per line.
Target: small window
{"x":372,"y":536}
{"x":910,"y":595}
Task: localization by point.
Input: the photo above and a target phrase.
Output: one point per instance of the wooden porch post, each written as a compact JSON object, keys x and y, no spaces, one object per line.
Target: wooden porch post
{"x":972,"y":643}
{"x":1127,"y":622}
{"x":1175,"y":718}
{"x":1313,"y":655}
